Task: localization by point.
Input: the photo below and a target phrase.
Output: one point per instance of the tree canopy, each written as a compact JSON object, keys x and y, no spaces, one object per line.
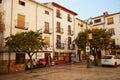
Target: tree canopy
{"x":28,"y":42}
{"x":100,"y":39}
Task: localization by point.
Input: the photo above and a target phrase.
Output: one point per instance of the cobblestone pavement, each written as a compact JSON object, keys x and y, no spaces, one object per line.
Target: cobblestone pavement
{"x":67,"y":72}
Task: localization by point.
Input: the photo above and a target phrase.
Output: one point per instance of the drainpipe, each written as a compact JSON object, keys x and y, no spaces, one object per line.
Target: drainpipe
{"x":74,"y":28}
{"x":9,"y":61}
{"x":10,"y":34}
{"x":36,"y":22}
{"x":11,"y":17}
{"x":53,"y":32}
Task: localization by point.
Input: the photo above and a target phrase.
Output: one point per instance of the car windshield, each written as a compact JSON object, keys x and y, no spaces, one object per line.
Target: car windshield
{"x":107,"y":57}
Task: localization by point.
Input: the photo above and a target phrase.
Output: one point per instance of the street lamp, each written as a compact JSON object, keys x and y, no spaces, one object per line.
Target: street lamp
{"x":89,"y":36}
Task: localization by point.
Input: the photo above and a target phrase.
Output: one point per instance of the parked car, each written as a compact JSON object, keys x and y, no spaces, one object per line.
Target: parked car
{"x":111,"y":60}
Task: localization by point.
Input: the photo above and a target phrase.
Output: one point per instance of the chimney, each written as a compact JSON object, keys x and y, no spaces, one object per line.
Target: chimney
{"x":105,"y":14}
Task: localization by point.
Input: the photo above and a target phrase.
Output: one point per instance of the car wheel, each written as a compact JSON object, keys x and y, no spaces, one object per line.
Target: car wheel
{"x":102,"y":65}
{"x":115,"y":64}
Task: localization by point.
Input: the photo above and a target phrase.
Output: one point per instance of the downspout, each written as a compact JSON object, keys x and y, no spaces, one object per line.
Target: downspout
{"x":36,"y":15}
{"x":11,"y":17}
{"x":10,"y":34}
{"x":36,"y":24}
{"x":9,"y":61}
{"x":74,"y":28}
{"x":53,"y":32}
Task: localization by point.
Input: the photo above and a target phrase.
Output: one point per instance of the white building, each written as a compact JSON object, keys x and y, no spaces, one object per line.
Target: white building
{"x":81,"y":26}
{"x":110,"y":22}
{"x":63,"y":38}
{"x":23,"y":15}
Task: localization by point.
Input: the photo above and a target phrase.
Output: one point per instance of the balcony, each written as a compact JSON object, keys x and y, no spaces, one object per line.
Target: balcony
{"x":71,"y":46}
{"x":70,"y":19}
{"x":59,"y":30}
{"x":59,"y":15}
{"x":47,"y":31}
{"x":71,"y":32}
{"x":59,"y":45}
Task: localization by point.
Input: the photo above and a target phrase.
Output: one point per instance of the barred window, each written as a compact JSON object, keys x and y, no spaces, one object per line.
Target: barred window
{"x":20,"y":58}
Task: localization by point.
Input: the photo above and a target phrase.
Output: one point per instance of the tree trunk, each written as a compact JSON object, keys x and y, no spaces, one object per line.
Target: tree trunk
{"x":31,"y":64}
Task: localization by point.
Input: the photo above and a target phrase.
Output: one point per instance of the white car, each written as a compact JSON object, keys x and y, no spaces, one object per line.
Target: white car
{"x":111,"y":60}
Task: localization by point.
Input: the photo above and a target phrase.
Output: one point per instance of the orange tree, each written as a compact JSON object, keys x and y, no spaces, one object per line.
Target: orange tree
{"x":100,"y":39}
{"x":28,"y":42}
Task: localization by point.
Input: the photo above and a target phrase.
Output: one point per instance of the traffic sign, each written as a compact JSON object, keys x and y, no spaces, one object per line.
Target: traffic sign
{"x":87,"y":49}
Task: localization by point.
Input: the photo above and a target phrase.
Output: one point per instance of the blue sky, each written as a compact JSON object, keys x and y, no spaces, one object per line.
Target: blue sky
{"x":88,"y":8}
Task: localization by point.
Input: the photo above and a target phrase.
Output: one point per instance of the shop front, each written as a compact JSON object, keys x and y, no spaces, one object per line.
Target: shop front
{"x":63,"y":58}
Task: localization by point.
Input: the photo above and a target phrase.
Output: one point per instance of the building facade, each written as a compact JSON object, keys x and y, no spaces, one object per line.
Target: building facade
{"x":110,"y":22}
{"x":64,"y":30}
{"x":80,"y":26}
{"x":19,"y":16}
{"x":54,"y":21}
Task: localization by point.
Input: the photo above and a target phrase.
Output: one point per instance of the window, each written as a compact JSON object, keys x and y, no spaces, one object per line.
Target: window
{"x":46,"y":27}
{"x":56,"y":56}
{"x":69,"y":30}
{"x":97,"y":20}
{"x":58,"y":44}
{"x":58,"y":13}
{"x":58,"y":38}
{"x":0,"y":1}
{"x":21,"y":21}
{"x":58,"y":26}
{"x":110,"y":21}
{"x":61,"y":56}
{"x":69,"y":42}
{"x":111,"y":31}
{"x":69,"y":18}
{"x":20,"y":58}
{"x":21,"y":3}
{"x":47,"y":12}
{"x":47,"y":40}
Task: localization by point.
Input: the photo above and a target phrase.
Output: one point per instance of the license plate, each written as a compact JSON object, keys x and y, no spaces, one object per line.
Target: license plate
{"x":105,"y":60}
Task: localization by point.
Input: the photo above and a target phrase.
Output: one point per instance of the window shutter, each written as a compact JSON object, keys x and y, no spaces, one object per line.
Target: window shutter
{"x":47,"y":40}
{"x":21,"y":21}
